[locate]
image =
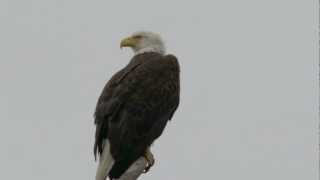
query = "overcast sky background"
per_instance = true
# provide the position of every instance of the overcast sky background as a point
(249, 86)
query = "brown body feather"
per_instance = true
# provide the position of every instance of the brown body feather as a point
(134, 107)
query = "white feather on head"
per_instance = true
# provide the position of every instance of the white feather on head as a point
(145, 41)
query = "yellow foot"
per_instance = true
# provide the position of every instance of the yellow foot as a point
(150, 159)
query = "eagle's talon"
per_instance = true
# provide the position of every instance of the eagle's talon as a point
(148, 167)
(150, 159)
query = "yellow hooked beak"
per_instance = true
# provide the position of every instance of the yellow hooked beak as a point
(128, 42)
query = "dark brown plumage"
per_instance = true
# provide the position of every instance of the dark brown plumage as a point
(134, 107)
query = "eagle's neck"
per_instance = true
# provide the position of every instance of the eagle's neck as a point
(156, 49)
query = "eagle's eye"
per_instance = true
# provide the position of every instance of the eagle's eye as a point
(138, 37)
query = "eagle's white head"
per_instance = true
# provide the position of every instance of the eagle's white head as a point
(144, 41)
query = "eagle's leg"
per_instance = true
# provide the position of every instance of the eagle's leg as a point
(150, 159)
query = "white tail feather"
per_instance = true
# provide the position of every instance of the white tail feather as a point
(106, 162)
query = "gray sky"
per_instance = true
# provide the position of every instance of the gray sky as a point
(249, 93)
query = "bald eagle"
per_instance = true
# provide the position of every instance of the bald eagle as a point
(135, 106)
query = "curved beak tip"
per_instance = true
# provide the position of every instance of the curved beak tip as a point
(127, 42)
